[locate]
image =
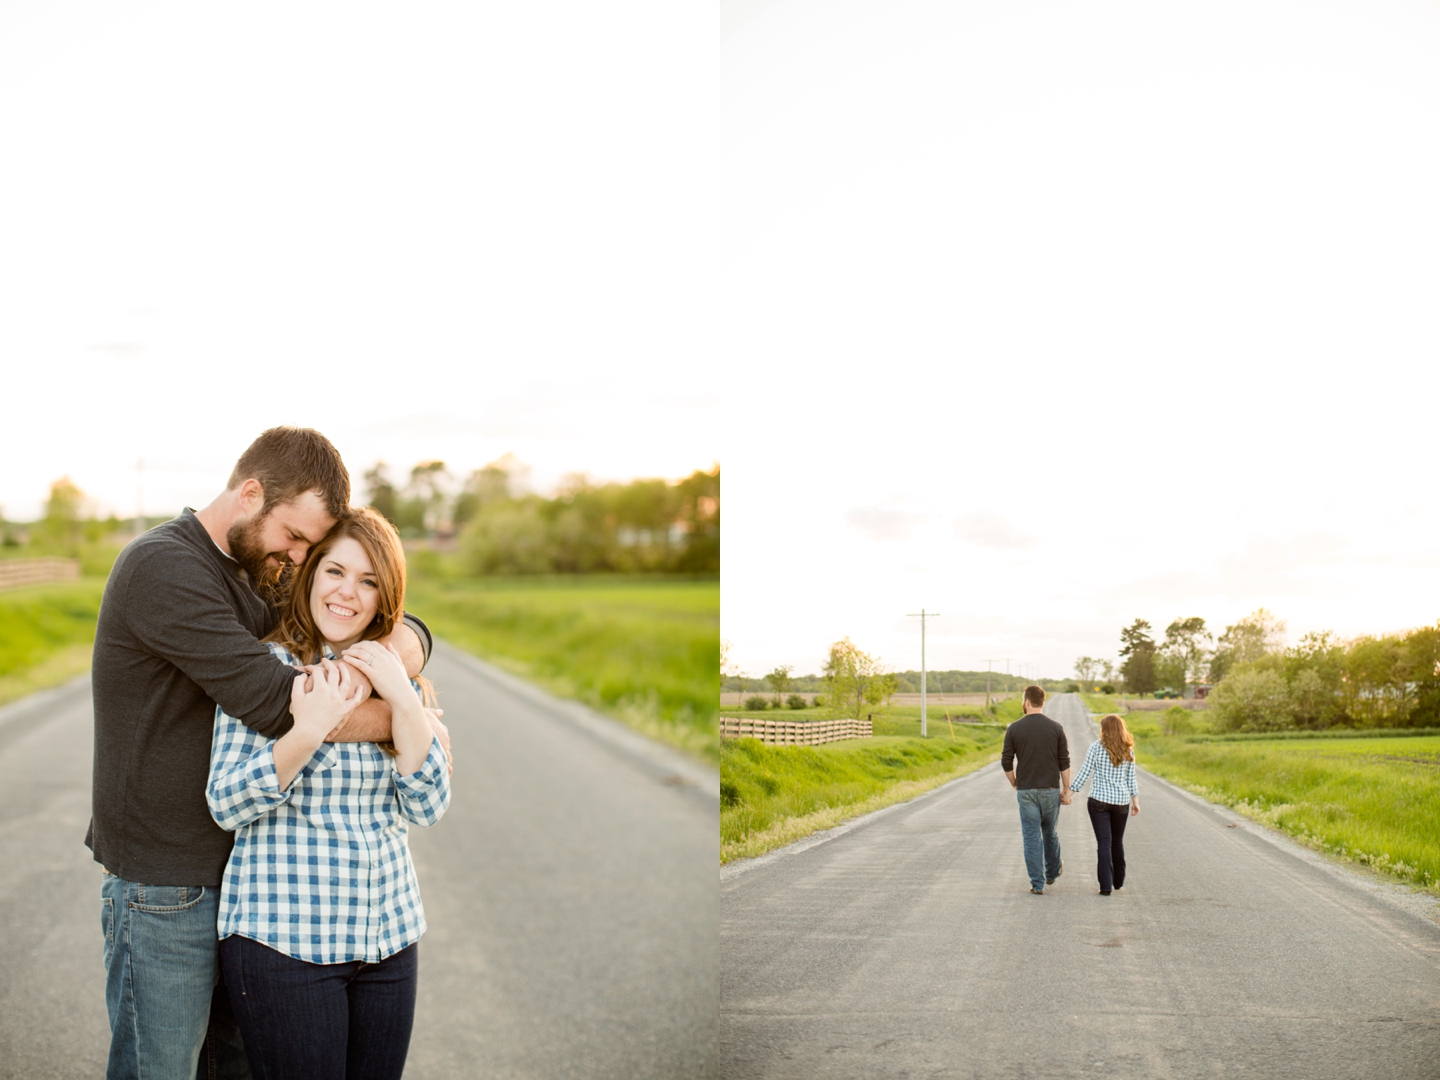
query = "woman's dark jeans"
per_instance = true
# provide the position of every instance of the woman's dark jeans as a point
(1108, 821)
(321, 1021)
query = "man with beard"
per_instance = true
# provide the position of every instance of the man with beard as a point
(180, 625)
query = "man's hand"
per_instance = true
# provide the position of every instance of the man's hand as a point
(358, 679)
(1066, 798)
(1011, 777)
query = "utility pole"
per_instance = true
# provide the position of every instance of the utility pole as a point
(922, 617)
(987, 682)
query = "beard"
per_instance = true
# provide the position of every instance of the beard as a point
(246, 549)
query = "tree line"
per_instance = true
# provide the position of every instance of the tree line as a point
(500, 529)
(648, 525)
(1391, 680)
(853, 683)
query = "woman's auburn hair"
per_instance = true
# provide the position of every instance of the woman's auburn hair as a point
(296, 629)
(1116, 739)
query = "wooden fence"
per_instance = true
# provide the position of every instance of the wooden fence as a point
(795, 732)
(17, 573)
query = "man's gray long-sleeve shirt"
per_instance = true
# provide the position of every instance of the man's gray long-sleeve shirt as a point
(1043, 750)
(178, 633)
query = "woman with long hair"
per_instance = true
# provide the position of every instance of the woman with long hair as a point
(320, 914)
(1113, 797)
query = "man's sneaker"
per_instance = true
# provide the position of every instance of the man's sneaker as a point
(1051, 880)
(1038, 892)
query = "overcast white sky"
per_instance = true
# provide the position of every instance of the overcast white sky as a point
(1052, 315)
(431, 231)
(1041, 315)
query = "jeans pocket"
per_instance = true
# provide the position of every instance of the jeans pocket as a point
(162, 899)
(107, 925)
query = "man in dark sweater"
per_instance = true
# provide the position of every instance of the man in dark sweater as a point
(179, 630)
(1042, 784)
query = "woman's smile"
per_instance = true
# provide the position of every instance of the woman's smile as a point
(344, 596)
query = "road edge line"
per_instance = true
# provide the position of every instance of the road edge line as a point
(611, 732)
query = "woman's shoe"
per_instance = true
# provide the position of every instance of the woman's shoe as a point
(1104, 892)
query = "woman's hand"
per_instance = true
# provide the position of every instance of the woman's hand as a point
(411, 726)
(1134, 807)
(330, 696)
(382, 666)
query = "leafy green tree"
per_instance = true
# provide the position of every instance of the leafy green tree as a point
(1315, 670)
(1252, 700)
(492, 483)
(1312, 703)
(65, 511)
(1423, 662)
(1184, 655)
(381, 491)
(780, 682)
(1257, 635)
(855, 681)
(508, 538)
(426, 503)
(1374, 684)
(699, 515)
(1137, 654)
(1085, 669)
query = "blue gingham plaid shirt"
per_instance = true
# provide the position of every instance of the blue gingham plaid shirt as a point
(1114, 784)
(321, 871)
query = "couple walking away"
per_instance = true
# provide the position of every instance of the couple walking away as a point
(262, 739)
(1042, 785)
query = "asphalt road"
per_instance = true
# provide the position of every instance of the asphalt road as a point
(911, 946)
(570, 893)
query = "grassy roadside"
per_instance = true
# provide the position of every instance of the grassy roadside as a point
(644, 652)
(46, 635)
(1374, 801)
(774, 795)
(1101, 704)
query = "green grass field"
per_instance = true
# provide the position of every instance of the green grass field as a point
(773, 795)
(46, 634)
(1102, 703)
(644, 652)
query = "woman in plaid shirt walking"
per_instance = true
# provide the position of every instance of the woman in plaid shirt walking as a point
(1113, 796)
(320, 915)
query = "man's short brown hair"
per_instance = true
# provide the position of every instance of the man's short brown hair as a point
(1034, 697)
(289, 461)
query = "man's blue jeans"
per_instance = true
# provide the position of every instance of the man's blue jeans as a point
(1039, 816)
(161, 973)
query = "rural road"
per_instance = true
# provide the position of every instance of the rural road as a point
(570, 893)
(910, 946)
